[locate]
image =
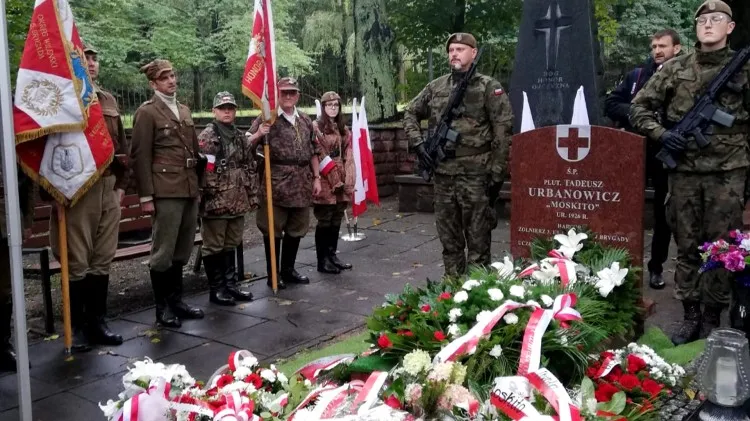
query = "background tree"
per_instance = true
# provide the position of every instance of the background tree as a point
(741, 13)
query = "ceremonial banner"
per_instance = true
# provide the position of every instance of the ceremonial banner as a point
(55, 97)
(259, 79)
(365, 181)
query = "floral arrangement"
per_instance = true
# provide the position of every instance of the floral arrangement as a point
(732, 255)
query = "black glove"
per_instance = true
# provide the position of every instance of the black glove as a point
(424, 157)
(493, 192)
(673, 141)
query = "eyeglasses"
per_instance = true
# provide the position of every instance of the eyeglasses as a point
(334, 105)
(717, 18)
(288, 93)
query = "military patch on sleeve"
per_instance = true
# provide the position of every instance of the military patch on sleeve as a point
(499, 91)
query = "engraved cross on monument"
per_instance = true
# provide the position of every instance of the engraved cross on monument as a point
(572, 143)
(551, 24)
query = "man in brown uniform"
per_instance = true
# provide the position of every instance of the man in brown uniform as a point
(294, 179)
(26, 195)
(230, 190)
(165, 153)
(92, 227)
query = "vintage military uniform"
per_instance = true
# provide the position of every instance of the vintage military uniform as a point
(26, 191)
(292, 147)
(92, 231)
(706, 189)
(165, 164)
(464, 216)
(337, 187)
(230, 190)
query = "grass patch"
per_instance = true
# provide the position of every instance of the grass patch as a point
(682, 355)
(351, 345)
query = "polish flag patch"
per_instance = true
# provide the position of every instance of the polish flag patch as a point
(211, 165)
(326, 165)
(499, 91)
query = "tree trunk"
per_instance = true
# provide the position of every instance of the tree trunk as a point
(459, 19)
(741, 14)
(373, 44)
(197, 90)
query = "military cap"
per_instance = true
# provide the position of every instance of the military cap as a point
(154, 69)
(288, 84)
(461, 38)
(330, 96)
(712, 6)
(88, 49)
(223, 98)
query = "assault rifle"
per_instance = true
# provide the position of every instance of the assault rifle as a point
(444, 134)
(704, 112)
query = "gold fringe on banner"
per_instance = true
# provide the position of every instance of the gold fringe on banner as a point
(30, 135)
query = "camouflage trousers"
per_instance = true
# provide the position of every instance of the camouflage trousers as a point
(464, 220)
(703, 207)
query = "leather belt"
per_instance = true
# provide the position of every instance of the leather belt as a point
(292, 162)
(463, 151)
(187, 163)
(231, 165)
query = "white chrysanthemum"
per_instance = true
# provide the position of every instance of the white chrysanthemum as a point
(483, 316)
(510, 319)
(460, 297)
(416, 362)
(504, 269)
(454, 314)
(547, 300)
(282, 378)
(109, 409)
(454, 330)
(441, 371)
(268, 375)
(496, 351)
(249, 362)
(239, 387)
(471, 283)
(242, 372)
(495, 294)
(533, 303)
(517, 291)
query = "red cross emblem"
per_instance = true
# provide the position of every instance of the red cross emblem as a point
(573, 142)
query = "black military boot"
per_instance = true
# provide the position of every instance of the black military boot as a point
(7, 353)
(230, 278)
(215, 273)
(711, 320)
(323, 250)
(288, 257)
(97, 331)
(267, 243)
(333, 243)
(656, 280)
(180, 308)
(161, 286)
(690, 327)
(78, 314)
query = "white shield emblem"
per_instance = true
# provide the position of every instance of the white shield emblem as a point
(67, 161)
(573, 142)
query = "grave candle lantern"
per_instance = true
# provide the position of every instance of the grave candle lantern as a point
(723, 376)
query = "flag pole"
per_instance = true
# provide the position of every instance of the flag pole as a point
(62, 236)
(269, 209)
(13, 212)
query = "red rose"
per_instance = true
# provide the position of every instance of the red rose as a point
(652, 387)
(384, 342)
(591, 372)
(425, 308)
(607, 354)
(224, 380)
(614, 375)
(629, 381)
(393, 402)
(646, 407)
(635, 363)
(439, 336)
(255, 380)
(444, 296)
(604, 392)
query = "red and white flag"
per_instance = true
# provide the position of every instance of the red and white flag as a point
(365, 181)
(55, 97)
(259, 78)
(326, 165)
(210, 163)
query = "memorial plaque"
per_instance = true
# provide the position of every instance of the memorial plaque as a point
(557, 53)
(569, 176)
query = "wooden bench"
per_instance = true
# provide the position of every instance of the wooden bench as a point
(132, 221)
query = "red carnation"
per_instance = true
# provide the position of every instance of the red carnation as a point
(635, 363)
(425, 308)
(384, 342)
(607, 354)
(605, 391)
(255, 380)
(614, 375)
(439, 336)
(224, 380)
(444, 296)
(393, 402)
(652, 387)
(647, 406)
(629, 381)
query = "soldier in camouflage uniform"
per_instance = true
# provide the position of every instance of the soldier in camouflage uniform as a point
(468, 183)
(294, 180)
(705, 198)
(337, 182)
(230, 190)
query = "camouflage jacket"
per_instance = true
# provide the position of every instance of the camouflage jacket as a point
(338, 185)
(119, 167)
(485, 125)
(292, 148)
(671, 92)
(230, 188)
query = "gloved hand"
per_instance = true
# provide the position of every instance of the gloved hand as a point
(493, 192)
(424, 157)
(673, 141)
